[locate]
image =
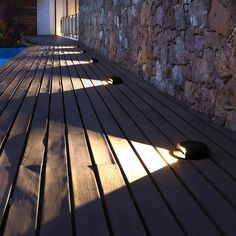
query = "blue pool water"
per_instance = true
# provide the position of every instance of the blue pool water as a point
(7, 53)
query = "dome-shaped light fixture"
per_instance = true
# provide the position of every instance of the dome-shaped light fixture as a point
(115, 80)
(94, 60)
(192, 150)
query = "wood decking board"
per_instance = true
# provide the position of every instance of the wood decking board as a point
(14, 104)
(131, 166)
(13, 82)
(212, 134)
(222, 131)
(222, 158)
(174, 134)
(10, 65)
(13, 70)
(129, 129)
(25, 195)
(88, 210)
(9, 158)
(115, 68)
(124, 218)
(82, 157)
(26, 191)
(213, 209)
(224, 183)
(220, 179)
(56, 215)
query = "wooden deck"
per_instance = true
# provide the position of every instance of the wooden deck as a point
(80, 156)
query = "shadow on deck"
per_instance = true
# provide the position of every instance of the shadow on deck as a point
(81, 156)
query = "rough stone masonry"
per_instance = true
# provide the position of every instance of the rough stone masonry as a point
(187, 48)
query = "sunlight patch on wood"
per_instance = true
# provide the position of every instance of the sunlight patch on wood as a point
(70, 52)
(74, 62)
(167, 156)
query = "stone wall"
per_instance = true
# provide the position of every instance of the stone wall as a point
(187, 48)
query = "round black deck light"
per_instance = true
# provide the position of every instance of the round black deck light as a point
(191, 150)
(83, 51)
(115, 80)
(94, 60)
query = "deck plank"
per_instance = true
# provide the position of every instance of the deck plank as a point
(88, 210)
(144, 114)
(152, 91)
(10, 65)
(11, 154)
(15, 102)
(80, 156)
(170, 112)
(14, 80)
(135, 173)
(56, 215)
(151, 158)
(11, 73)
(25, 196)
(212, 134)
(210, 203)
(123, 217)
(219, 156)
(223, 182)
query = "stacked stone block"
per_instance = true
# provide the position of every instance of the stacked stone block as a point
(186, 48)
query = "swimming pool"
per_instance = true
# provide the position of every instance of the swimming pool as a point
(7, 53)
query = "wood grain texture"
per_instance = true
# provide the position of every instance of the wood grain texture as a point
(80, 156)
(224, 190)
(15, 101)
(9, 86)
(156, 165)
(24, 201)
(88, 210)
(56, 216)
(10, 66)
(135, 173)
(103, 158)
(12, 151)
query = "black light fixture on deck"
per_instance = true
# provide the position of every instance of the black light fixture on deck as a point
(192, 150)
(94, 60)
(115, 80)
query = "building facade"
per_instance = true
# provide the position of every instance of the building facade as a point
(50, 13)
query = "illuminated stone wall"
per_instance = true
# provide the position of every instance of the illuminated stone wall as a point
(186, 48)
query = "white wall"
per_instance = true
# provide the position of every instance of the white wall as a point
(60, 13)
(71, 7)
(45, 17)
